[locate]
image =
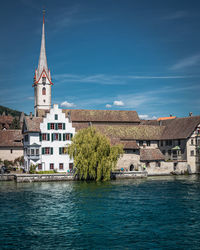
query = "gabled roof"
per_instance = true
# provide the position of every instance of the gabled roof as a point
(151, 155)
(33, 124)
(86, 115)
(11, 138)
(180, 128)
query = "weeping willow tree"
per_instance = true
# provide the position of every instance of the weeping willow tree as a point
(94, 157)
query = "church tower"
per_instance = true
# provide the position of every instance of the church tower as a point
(42, 79)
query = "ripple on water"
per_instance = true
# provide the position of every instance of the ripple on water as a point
(158, 212)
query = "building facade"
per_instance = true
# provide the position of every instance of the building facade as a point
(46, 141)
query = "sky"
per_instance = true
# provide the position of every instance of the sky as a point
(104, 54)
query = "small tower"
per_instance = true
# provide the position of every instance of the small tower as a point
(42, 79)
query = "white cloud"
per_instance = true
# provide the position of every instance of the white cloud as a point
(67, 104)
(187, 62)
(118, 103)
(147, 117)
(108, 106)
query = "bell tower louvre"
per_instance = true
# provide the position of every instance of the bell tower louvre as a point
(42, 78)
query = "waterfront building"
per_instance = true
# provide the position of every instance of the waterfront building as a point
(46, 141)
(11, 146)
(163, 146)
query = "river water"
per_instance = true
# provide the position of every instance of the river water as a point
(152, 213)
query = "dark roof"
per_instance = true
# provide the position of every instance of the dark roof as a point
(151, 154)
(180, 128)
(84, 115)
(11, 138)
(33, 124)
(134, 132)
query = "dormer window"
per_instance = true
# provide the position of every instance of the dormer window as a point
(43, 80)
(44, 91)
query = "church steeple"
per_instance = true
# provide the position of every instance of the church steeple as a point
(42, 79)
(42, 64)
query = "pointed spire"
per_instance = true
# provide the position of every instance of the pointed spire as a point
(42, 64)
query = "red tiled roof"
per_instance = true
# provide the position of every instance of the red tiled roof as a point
(11, 138)
(151, 155)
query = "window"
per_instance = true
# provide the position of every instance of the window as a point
(56, 137)
(161, 143)
(63, 150)
(163, 152)
(166, 143)
(43, 91)
(71, 166)
(47, 151)
(60, 165)
(170, 142)
(60, 126)
(32, 151)
(39, 166)
(43, 80)
(141, 143)
(52, 125)
(169, 152)
(192, 142)
(148, 143)
(56, 117)
(44, 137)
(158, 164)
(179, 142)
(192, 153)
(37, 151)
(67, 137)
(51, 166)
(26, 138)
(11, 151)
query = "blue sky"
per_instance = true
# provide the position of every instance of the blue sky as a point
(115, 54)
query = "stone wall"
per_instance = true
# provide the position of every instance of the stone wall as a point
(43, 177)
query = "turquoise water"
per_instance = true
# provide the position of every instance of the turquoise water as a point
(154, 213)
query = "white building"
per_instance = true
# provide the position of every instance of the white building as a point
(46, 141)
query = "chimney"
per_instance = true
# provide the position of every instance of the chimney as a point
(190, 114)
(31, 115)
(69, 116)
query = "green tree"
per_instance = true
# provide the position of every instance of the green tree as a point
(15, 124)
(94, 157)
(19, 161)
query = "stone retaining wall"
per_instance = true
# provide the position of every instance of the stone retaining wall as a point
(129, 175)
(43, 177)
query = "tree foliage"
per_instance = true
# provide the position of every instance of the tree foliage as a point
(94, 157)
(15, 124)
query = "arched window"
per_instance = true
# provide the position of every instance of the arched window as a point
(44, 91)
